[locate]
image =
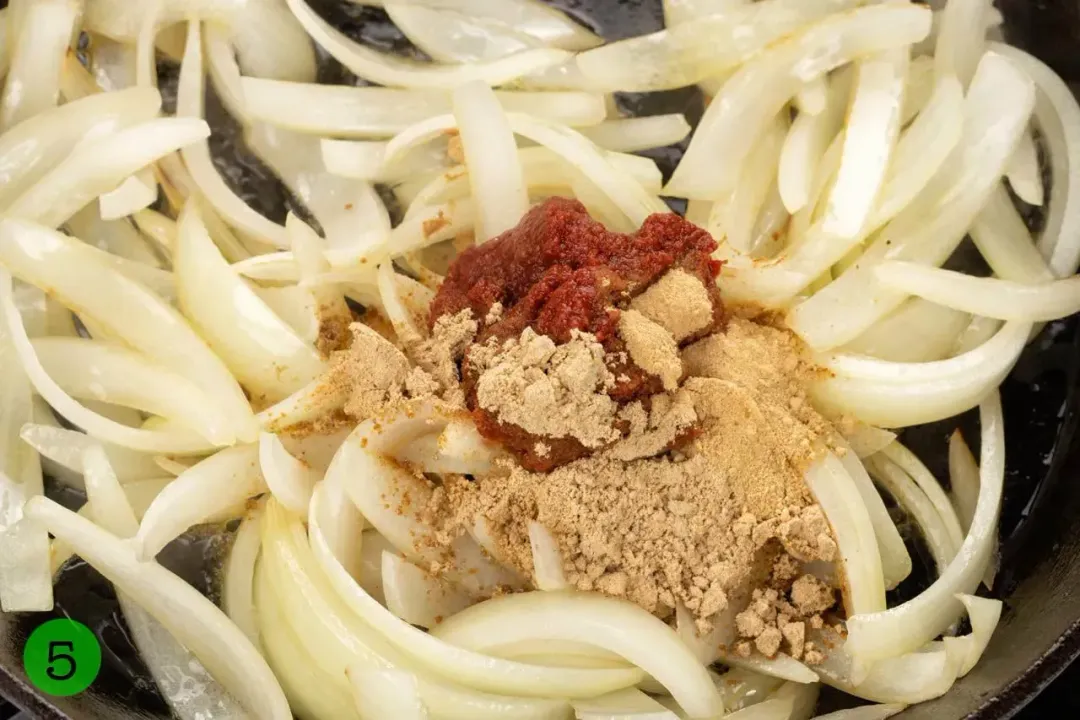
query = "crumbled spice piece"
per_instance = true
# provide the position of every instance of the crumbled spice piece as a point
(651, 347)
(678, 302)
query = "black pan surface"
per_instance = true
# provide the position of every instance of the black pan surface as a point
(1039, 580)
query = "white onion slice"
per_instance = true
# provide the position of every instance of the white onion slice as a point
(984, 615)
(909, 626)
(873, 123)
(417, 597)
(865, 440)
(65, 447)
(988, 297)
(392, 71)
(805, 145)
(98, 164)
(840, 500)
(1023, 173)
(290, 480)
(89, 369)
(865, 712)
(270, 43)
(133, 194)
(639, 133)
(450, 36)
(961, 38)
(42, 32)
(190, 617)
(386, 694)
(620, 705)
(614, 625)
(1059, 119)
(189, 104)
(496, 178)
(33, 147)
(1005, 242)
(916, 332)
(122, 20)
(761, 87)
(265, 354)
(224, 71)
(237, 590)
(996, 111)
(963, 479)
(547, 559)
(120, 237)
(895, 560)
(691, 52)
(926, 481)
(213, 489)
(372, 112)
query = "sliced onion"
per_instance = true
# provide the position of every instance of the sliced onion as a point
(865, 712)
(265, 354)
(639, 133)
(741, 212)
(628, 703)
(873, 123)
(839, 498)
(309, 402)
(213, 489)
(91, 289)
(611, 624)
(963, 479)
(133, 194)
(189, 104)
(122, 20)
(65, 447)
(372, 112)
(224, 70)
(918, 331)
(1005, 242)
(988, 297)
(41, 37)
(895, 560)
(761, 87)
(909, 626)
(386, 694)
(984, 615)
(926, 481)
(36, 145)
(961, 38)
(113, 374)
(417, 597)
(290, 480)
(1024, 174)
(119, 237)
(1059, 119)
(393, 71)
(270, 43)
(917, 505)
(98, 164)
(237, 591)
(688, 53)
(547, 559)
(865, 440)
(805, 145)
(997, 109)
(450, 36)
(190, 617)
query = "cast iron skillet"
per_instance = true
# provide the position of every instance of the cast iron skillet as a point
(1040, 527)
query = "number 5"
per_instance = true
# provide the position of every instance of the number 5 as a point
(55, 657)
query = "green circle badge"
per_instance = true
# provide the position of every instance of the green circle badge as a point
(62, 657)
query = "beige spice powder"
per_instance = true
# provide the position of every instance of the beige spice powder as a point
(678, 302)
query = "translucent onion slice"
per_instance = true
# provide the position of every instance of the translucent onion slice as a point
(238, 584)
(345, 641)
(909, 626)
(92, 289)
(806, 143)
(373, 112)
(36, 145)
(290, 480)
(758, 90)
(896, 339)
(895, 560)
(629, 703)
(191, 618)
(270, 43)
(133, 194)
(688, 53)
(996, 111)
(469, 668)
(1005, 242)
(119, 237)
(262, 351)
(448, 36)
(65, 447)
(984, 615)
(635, 134)
(988, 297)
(386, 694)
(362, 466)
(1024, 174)
(99, 164)
(902, 679)
(840, 500)
(547, 559)
(1059, 119)
(417, 597)
(614, 625)
(913, 466)
(393, 71)
(917, 505)
(189, 104)
(41, 37)
(963, 479)
(122, 20)
(89, 369)
(224, 70)
(873, 123)
(742, 211)
(961, 38)
(213, 489)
